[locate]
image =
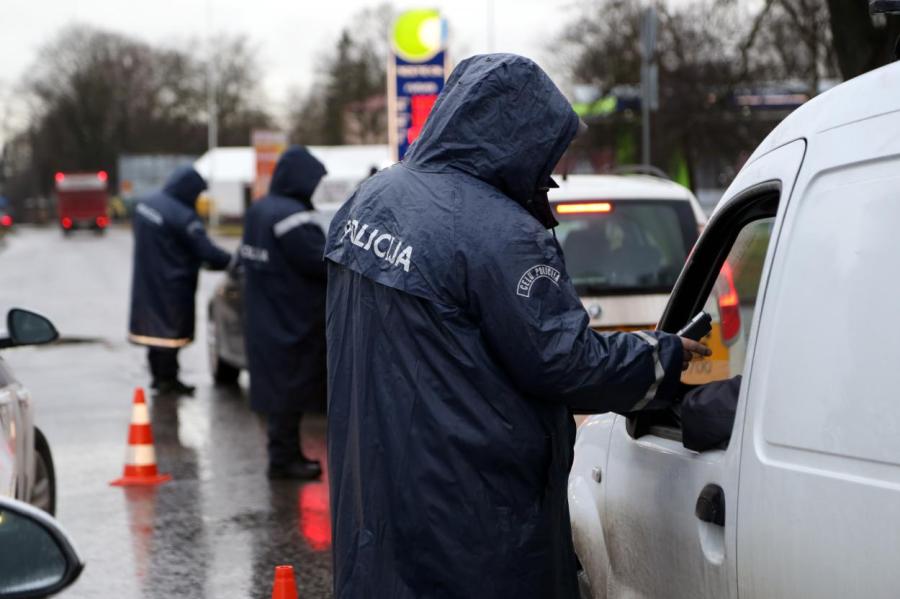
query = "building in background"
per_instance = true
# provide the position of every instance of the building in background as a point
(231, 173)
(142, 174)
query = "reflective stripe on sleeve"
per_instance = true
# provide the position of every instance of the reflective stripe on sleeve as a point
(292, 222)
(659, 371)
(150, 214)
(158, 341)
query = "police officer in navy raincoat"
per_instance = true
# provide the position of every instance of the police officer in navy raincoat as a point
(457, 347)
(284, 308)
(170, 246)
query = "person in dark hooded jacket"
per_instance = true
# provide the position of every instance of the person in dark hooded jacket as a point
(284, 308)
(170, 246)
(457, 346)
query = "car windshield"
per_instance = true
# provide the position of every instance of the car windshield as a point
(624, 247)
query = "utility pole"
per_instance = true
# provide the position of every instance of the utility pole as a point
(212, 109)
(649, 78)
(490, 26)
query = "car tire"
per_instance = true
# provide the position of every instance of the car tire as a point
(223, 372)
(43, 491)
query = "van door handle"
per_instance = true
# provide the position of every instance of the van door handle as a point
(711, 505)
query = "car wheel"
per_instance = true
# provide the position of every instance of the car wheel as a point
(223, 372)
(43, 492)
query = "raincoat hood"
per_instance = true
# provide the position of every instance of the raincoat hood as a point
(501, 119)
(185, 185)
(297, 174)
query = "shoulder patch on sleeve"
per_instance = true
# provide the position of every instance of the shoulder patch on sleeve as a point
(530, 276)
(292, 222)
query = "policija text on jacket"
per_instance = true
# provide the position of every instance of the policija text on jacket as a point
(457, 346)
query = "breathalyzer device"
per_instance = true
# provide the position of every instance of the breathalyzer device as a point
(698, 328)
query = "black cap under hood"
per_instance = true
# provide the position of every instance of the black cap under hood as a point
(501, 119)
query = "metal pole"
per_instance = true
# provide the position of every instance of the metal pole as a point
(645, 117)
(212, 109)
(649, 84)
(490, 26)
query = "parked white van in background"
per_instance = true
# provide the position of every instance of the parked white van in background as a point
(804, 501)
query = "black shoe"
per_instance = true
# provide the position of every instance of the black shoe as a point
(296, 471)
(173, 387)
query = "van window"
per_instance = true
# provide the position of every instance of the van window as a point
(625, 247)
(731, 304)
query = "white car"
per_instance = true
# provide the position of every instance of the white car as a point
(804, 499)
(625, 239)
(26, 464)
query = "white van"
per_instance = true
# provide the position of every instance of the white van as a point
(804, 501)
(625, 239)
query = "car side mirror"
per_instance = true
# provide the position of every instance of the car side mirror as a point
(36, 556)
(27, 328)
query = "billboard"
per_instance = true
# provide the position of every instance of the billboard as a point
(268, 147)
(417, 68)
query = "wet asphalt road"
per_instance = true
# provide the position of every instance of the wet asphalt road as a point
(220, 527)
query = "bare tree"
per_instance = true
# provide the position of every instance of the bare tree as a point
(93, 95)
(346, 102)
(862, 42)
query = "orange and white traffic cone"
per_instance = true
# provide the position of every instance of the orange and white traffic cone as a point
(140, 462)
(285, 586)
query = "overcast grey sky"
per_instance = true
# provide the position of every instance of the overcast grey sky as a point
(289, 35)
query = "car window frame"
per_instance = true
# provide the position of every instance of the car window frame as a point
(696, 282)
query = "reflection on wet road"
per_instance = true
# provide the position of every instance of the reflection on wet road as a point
(220, 527)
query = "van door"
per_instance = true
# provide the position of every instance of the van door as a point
(819, 502)
(668, 520)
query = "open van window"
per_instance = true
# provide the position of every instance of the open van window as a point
(723, 279)
(731, 304)
(629, 247)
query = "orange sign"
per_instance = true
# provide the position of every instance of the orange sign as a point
(268, 146)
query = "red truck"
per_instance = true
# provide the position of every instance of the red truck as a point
(82, 201)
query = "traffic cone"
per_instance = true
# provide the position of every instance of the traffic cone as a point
(285, 586)
(140, 461)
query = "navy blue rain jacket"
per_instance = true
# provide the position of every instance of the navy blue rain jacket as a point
(457, 346)
(170, 246)
(284, 290)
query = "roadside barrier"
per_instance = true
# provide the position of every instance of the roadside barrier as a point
(285, 586)
(140, 460)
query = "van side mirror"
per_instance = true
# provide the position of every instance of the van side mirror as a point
(38, 558)
(27, 328)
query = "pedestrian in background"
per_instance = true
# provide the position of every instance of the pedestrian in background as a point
(457, 347)
(170, 246)
(284, 309)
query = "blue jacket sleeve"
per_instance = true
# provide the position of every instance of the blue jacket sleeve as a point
(537, 328)
(211, 255)
(304, 247)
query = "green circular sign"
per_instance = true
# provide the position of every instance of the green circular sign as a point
(418, 34)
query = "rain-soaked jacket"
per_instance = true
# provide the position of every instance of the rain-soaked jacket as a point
(284, 290)
(457, 346)
(170, 245)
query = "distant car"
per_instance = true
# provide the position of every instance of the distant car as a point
(39, 559)
(6, 221)
(82, 201)
(225, 323)
(26, 463)
(625, 239)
